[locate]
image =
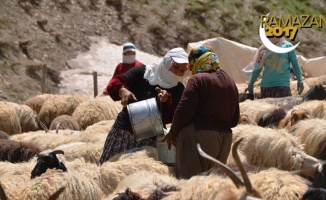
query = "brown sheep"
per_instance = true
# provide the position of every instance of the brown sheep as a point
(15, 152)
(58, 105)
(293, 118)
(64, 122)
(37, 101)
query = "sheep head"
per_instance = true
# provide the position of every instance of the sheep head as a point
(49, 160)
(297, 115)
(317, 92)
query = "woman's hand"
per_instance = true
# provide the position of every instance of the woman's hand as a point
(163, 94)
(125, 96)
(170, 140)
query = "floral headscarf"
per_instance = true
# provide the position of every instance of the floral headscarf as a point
(202, 59)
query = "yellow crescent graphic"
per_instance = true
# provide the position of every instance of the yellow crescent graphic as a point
(269, 45)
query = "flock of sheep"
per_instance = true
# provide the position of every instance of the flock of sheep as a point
(50, 148)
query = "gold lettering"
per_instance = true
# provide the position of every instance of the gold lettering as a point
(296, 21)
(314, 21)
(286, 23)
(306, 18)
(321, 20)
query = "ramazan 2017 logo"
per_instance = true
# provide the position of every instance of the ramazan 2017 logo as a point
(278, 26)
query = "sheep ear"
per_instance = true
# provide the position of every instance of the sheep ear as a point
(58, 152)
(227, 170)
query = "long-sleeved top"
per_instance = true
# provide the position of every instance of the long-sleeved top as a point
(124, 67)
(211, 101)
(134, 81)
(277, 69)
(120, 69)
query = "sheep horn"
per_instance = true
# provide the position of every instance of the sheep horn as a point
(227, 170)
(3, 195)
(244, 175)
(58, 152)
(57, 128)
(41, 123)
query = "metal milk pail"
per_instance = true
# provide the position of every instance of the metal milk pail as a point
(145, 118)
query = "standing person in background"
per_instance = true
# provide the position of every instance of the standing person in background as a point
(128, 61)
(208, 109)
(140, 83)
(277, 71)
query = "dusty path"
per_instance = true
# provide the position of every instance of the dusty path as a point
(102, 58)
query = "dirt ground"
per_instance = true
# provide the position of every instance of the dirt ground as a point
(54, 33)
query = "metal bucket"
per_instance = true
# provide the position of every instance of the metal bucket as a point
(145, 118)
(165, 155)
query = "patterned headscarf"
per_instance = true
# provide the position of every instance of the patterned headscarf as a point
(202, 59)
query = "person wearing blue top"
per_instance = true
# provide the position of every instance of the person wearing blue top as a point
(276, 70)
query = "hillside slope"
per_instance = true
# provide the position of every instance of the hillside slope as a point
(36, 33)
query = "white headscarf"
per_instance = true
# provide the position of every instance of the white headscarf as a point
(159, 74)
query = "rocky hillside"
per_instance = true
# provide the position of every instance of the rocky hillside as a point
(47, 33)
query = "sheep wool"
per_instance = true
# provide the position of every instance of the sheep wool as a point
(275, 184)
(316, 108)
(10, 121)
(76, 186)
(113, 172)
(96, 110)
(262, 147)
(311, 134)
(36, 102)
(57, 105)
(64, 122)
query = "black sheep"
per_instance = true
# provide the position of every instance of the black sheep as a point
(46, 161)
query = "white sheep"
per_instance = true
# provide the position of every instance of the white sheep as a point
(96, 110)
(262, 113)
(316, 108)
(266, 147)
(114, 172)
(312, 133)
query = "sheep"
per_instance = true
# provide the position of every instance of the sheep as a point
(54, 196)
(48, 161)
(147, 185)
(36, 102)
(262, 147)
(295, 116)
(15, 152)
(64, 122)
(246, 119)
(10, 121)
(96, 110)
(91, 152)
(97, 132)
(312, 134)
(49, 140)
(77, 186)
(4, 135)
(316, 108)
(316, 92)
(319, 80)
(57, 105)
(27, 117)
(264, 114)
(113, 172)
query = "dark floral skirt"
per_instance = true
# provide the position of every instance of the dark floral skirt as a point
(119, 140)
(275, 92)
